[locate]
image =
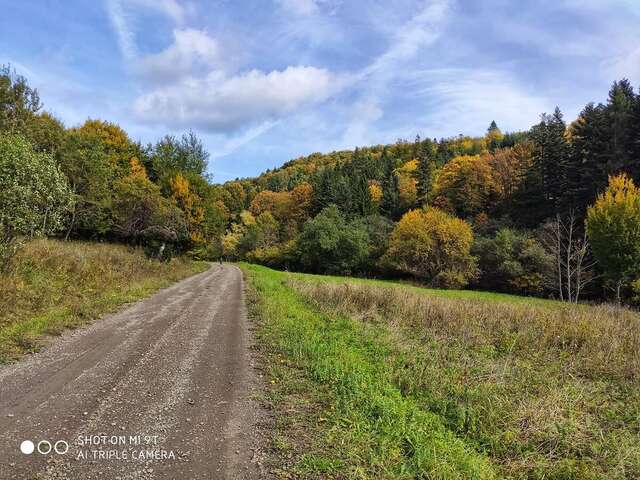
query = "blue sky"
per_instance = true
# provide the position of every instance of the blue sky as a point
(264, 81)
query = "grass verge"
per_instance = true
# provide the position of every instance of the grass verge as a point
(369, 380)
(341, 414)
(58, 285)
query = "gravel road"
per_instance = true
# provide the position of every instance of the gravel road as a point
(164, 389)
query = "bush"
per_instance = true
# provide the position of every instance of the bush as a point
(281, 255)
(434, 246)
(512, 262)
(329, 244)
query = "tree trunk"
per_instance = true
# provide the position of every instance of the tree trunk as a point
(71, 225)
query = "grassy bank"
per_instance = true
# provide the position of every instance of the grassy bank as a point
(376, 381)
(58, 285)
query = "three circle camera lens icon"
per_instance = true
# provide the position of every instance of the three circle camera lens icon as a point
(44, 447)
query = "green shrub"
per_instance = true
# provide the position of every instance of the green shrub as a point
(513, 262)
(330, 244)
(34, 195)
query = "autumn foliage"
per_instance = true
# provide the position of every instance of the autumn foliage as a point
(433, 245)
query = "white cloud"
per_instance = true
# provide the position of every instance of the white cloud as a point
(191, 50)
(170, 8)
(230, 145)
(126, 37)
(221, 103)
(358, 132)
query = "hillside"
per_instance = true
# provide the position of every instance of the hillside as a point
(375, 380)
(530, 213)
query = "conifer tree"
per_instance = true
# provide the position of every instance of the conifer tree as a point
(424, 172)
(619, 111)
(390, 187)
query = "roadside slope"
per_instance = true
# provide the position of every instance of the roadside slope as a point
(55, 285)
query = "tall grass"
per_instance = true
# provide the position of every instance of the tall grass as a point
(544, 392)
(56, 285)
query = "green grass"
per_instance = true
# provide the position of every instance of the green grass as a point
(372, 380)
(369, 428)
(58, 285)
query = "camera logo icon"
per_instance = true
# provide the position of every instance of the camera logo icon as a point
(44, 447)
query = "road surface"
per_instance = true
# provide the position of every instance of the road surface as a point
(164, 389)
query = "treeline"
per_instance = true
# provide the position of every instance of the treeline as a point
(502, 212)
(506, 211)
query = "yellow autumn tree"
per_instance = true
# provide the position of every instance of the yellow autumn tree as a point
(116, 143)
(434, 246)
(191, 204)
(375, 192)
(407, 184)
(613, 226)
(467, 183)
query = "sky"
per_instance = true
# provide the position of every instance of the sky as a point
(265, 81)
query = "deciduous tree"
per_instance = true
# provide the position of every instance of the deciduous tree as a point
(34, 195)
(434, 246)
(613, 225)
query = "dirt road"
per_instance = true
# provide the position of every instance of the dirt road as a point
(160, 390)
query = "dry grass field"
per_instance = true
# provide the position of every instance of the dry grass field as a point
(492, 388)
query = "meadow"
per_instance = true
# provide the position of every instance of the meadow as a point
(57, 285)
(369, 379)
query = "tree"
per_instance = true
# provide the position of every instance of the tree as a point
(114, 142)
(45, 133)
(613, 225)
(329, 244)
(550, 158)
(375, 192)
(509, 169)
(493, 137)
(571, 252)
(389, 205)
(143, 216)
(512, 261)
(34, 195)
(378, 228)
(172, 155)
(234, 197)
(619, 111)
(18, 101)
(587, 168)
(424, 172)
(434, 246)
(91, 175)
(467, 183)
(191, 205)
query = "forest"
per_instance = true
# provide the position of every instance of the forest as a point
(553, 211)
